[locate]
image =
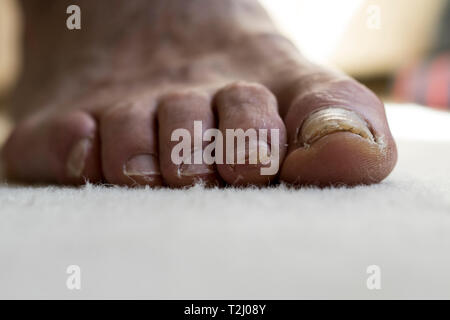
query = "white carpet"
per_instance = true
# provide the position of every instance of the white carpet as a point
(270, 243)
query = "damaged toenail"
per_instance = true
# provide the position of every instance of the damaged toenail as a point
(257, 152)
(191, 170)
(77, 157)
(264, 153)
(143, 165)
(331, 120)
(187, 169)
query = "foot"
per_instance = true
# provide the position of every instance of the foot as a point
(101, 103)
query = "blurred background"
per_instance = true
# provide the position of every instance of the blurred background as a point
(399, 48)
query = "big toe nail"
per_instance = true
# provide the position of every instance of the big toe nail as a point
(331, 120)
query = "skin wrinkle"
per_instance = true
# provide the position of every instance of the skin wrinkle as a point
(141, 52)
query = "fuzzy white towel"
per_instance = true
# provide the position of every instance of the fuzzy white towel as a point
(269, 243)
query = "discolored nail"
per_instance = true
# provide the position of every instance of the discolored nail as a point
(264, 153)
(330, 120)
(192, 169)
(142, 165)
(76, 160)
(257, 152)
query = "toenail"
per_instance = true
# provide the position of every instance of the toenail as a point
(142, 165)
(77, 157)
(191, 170)
(257, 152)
(187, 169)
(331, 120)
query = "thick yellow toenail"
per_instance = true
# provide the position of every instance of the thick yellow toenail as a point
(77, 157)
(143, 165)
(330, 120)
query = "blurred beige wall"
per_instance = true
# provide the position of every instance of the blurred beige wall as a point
(341, 32)
(9, 56)
(405, 32)
(9, 44)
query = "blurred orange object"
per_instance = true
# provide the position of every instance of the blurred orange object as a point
(426, 82)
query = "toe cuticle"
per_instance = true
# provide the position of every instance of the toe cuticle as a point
(188, 168)
(331, 120)
(142, 165)
(76, 160)
(192, 170)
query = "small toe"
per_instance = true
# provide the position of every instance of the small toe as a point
(184, 117)
(254, 134)
(54, 148)
(129, 143)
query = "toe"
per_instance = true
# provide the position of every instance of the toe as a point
(54, 148)
(254, 134)
(129, 143)
(338, 134)
(184, 117)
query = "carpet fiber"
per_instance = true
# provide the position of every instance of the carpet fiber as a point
(269, 243)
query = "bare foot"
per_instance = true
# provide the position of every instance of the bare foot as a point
(101, 103)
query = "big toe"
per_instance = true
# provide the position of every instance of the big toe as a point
(338, 134)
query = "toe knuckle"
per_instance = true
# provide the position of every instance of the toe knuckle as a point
(246, 94)
(246, 90)
(73, 122)
(182, 99)
(120, 112)
(243, 87)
